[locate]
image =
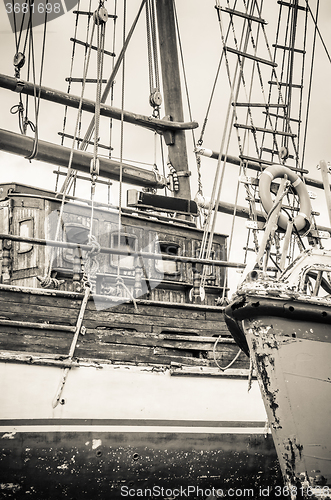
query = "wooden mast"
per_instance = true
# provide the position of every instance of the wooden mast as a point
(172, 92)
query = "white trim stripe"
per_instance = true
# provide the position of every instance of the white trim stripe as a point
(268, 173)
(296, 182)
(12, 430)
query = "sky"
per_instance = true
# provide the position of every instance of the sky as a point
(200, 36)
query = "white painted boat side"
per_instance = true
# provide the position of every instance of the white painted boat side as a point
(130, 393)
(296, 387)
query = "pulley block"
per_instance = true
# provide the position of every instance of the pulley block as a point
(19, 60)
(101, 15)
(155, 99)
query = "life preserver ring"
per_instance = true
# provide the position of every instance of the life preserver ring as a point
(303, 220)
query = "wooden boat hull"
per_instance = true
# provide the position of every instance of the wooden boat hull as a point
(289, 342)
(133, 427)
(143, 403)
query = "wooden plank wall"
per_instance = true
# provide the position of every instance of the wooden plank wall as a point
(152, 334)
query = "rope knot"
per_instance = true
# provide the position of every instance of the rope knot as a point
(48, 282)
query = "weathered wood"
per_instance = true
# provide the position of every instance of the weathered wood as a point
(108, 317)
(156, 340)
(54, 154)
(210, 371)
(108, 345)
(73, 101)
(172, 90)
(139, 354)
(153, 318)
(152, 355)
(36, 312)
(42, 297)
(41, 326)
(39, 321)
(224, 353)
(130, 350)
(200, 338)
(34, 343)
(33, 359)
(217, 329)
(73, 345)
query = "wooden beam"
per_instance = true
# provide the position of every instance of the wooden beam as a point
(49, 94)
(255, 165)
(243, 212)
(54, 154)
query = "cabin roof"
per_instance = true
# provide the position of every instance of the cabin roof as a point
(8, 189)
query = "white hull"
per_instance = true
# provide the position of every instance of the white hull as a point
(294, 376)
(129, 425)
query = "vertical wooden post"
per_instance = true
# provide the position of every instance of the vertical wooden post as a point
(77, 269)
(6, 261)
(196, 297)
(172, 92)
(137, 277)
(326, 184)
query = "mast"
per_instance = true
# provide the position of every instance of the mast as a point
(176, 141)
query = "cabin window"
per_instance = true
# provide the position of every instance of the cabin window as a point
(168, 267)
(26, 229)
(316, 282)
(128, 243)
(75, 233)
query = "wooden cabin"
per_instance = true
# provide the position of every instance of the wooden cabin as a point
(154, 317)
(33, 213)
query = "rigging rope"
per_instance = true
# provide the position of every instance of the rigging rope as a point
(223, 368)
(70, 171)
(317, 29)
(119, 282)
(19, 61)
(253, 39)
(219, 176)
(91, 265)
(71, 71)
(37, 100)
(310, 79)
(112, 86)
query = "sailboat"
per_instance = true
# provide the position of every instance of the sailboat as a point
(119, 375)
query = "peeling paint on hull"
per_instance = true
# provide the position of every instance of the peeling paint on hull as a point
(295, 379)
